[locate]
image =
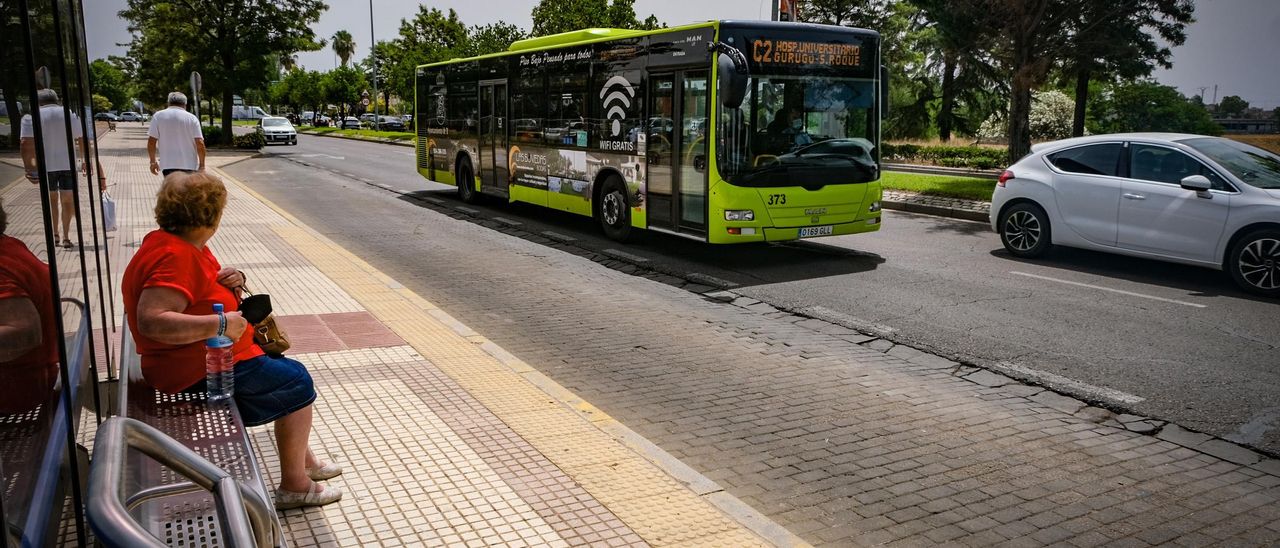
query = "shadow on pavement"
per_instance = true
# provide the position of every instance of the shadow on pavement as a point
(1195, 281)
(742, 265)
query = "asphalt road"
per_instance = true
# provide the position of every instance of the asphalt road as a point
(1167, 341)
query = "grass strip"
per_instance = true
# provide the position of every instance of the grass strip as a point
(969, 188)
(366, 133)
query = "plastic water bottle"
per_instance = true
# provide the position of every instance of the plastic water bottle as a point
(219, 364)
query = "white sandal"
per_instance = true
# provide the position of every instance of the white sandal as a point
(328, 471)
(286, 500)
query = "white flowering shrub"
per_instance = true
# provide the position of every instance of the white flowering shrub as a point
(1050, 118)
(1051, 115)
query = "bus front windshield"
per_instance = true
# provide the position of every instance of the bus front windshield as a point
(800, 131)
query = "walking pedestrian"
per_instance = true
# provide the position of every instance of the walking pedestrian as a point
(59, 161)
(175, 135)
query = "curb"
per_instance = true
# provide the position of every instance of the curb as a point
(365, 139)
(939, 211)
(702, 486)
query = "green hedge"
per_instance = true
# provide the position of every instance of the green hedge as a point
(253, 140)
(212, 134)
(972, 157)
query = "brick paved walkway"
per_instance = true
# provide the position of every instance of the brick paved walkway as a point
(446, 438)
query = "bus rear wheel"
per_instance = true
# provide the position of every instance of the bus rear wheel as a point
(467, 184)
(614, 210)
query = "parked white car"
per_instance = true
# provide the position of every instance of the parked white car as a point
(1191, 199)
(277, 129)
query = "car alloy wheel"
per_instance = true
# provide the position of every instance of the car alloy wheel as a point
(1259, 264)
(1022, 230)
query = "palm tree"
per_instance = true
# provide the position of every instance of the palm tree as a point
(344, 46)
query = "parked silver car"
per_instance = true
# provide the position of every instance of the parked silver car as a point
(277, 129)
(1191, 199)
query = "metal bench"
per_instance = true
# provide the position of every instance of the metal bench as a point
(34, 467)
(198, 484)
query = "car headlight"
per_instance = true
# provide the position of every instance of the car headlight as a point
(875, 206)
(739, 215)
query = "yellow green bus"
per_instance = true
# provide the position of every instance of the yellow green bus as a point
(724, 131)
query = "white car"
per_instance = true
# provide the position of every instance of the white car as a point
(130, 117)
(1191, 199)
(277, 129)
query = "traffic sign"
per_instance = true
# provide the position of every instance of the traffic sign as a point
(365, 101)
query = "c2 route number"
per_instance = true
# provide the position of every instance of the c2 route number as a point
(777, 199)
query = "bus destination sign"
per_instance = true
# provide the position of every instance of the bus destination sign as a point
(796, 52)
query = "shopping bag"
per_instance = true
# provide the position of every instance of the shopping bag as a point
(109, 213)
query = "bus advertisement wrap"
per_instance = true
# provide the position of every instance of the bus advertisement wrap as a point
(628, 127)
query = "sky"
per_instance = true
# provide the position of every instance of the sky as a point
(1233, 43)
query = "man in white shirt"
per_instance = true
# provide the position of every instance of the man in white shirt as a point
(175, 134)
(59, 161)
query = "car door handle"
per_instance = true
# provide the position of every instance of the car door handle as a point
(1128, 196)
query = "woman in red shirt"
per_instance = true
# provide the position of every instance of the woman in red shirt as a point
(28, 332)
(170, 287)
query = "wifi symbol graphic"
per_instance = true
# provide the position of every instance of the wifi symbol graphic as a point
(617, 94)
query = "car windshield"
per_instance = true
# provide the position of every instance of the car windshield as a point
(1250, 164)
(794, 130)
(269, 122)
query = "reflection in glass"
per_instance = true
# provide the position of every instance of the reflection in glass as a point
(29, 378)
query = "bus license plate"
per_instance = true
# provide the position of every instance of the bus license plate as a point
(811, 231)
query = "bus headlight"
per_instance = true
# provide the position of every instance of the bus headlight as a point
(739, 215)
(875, 206)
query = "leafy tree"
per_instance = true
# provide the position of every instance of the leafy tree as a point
(100, 103)
(429, 36)
(1276, 114)
(492, 38)
(1121, 40)
(1149, 106)
(556, 16)
(342, 87)
(1232, 106)
(108, 80)
(306, 89)
(1031, 35)
(344, 46)
(231, 42)
(968, 79)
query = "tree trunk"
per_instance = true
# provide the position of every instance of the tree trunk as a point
(227, 135)
(15, 118)
(946, 111)
(1082, 100)
(1020, 99)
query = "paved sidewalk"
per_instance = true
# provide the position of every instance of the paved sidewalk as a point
(446, 438)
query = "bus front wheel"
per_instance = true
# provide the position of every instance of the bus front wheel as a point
(467, 184)
(614, 212)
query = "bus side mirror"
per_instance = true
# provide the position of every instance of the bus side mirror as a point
(732, 75)
(884, 91)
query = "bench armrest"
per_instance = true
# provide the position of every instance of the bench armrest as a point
(243, 514)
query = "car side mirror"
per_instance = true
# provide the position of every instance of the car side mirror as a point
(1197, 183)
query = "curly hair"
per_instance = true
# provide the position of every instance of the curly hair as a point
(188, 201)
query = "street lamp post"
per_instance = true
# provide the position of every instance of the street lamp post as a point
(373, 63)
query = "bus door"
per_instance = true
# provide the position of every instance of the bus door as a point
(493, 137)
(676, 181)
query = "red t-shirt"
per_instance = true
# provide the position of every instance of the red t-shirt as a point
(165, 260)
(27, 381)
